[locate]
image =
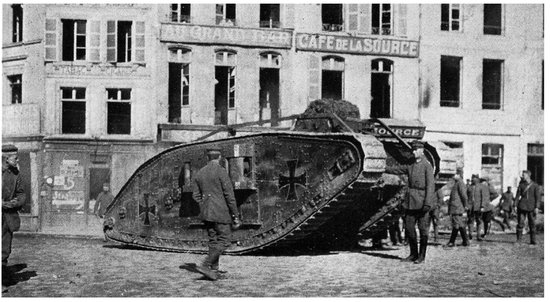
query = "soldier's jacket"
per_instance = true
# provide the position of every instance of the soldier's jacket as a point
(506, 201)
(213, 190)
(458, 200)
(480, 198)
(12, 190)
(528, 196)
(420, 181)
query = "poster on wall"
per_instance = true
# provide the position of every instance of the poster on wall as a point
(69, 186)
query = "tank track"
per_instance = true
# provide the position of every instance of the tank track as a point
(383, 218)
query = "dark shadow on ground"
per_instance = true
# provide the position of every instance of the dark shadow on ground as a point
(192, 267)
(380, 255)
(13, 275)
(132, 247)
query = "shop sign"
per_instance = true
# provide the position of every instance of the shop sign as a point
(204, 34)
(357, 45)
(404, 132)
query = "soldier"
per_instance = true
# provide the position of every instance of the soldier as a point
(528, 199)
(103, 200)
(13, 198)
(478, 194)
(419, 201)
(487, 208)
(213, 190)
(435, 213)
(457, 204)
(506, 206)
(470, 207)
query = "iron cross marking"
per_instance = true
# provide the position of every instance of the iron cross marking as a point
(292, 180)
(146, 209)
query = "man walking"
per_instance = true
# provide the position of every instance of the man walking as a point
(13, 198)
(213, 190)
(528, 201)
(506, 206)
(435, 213)
(457, 203)
(418, 202)
(477, 195)
(487, 209)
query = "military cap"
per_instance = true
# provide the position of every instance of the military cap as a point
(9, 149)
(416, 144)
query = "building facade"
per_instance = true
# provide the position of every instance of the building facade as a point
(92, 91)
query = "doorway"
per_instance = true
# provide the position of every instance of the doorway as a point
(269, 94)
(381, 90)
(225, 93)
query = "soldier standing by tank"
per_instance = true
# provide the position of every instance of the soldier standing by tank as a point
(528, 200)
(213, 190)
(13, 198)
(458, 200)
(419, 201)
(506, 206)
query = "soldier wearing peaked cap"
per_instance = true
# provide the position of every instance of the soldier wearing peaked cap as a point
(213, 190)
(13, 198)
(418, 202)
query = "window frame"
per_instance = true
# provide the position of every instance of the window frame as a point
(333, 27)
(17, 23)
(270, 23)
(75, 47)
(458, 101)
(332, 61)
(118, 100)
(449, 22)
(488, 105)
(378, 31)
(221, 18)
(73, 99)
(178, 12)
(490, 147)
(15, 81)
(486, 27)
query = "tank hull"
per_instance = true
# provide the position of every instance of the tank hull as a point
(289, 189)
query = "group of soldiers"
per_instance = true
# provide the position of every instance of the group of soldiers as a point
(467, 204)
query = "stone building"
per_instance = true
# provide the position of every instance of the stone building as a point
(91, 91)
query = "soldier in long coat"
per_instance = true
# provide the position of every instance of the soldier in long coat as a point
(458, 201)
(13, 198)
(213, 190)
(479, 195)
(506, 206)
(418, 202)
(528, 200)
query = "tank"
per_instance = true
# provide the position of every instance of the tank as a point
(320, 185)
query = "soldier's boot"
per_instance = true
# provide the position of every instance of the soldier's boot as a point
(465, 241)
(533, 237)
(422, 253)
(470, 231)
(478, 232)
(436, 234)
(454, 233)
(519, 234)
(413, 246)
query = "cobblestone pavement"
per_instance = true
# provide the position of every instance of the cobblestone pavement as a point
(70, 267)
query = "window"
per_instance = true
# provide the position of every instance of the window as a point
(269, 15)
(491, 154)
(492, 19)
(270, 63)
(225, 14)
(332, 78)
(74, 40)
(122, 45)
(332, 18)
(178, 83)
(535, 162)
(118, 111)
(450, 17)
(382, 19)
(17, 23)
(492, 84)
(450, 81)
(15, 88)
(181, 13)
(381, 88)
(73, 110)
(225, 86)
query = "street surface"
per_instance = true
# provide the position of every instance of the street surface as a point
(48, 266)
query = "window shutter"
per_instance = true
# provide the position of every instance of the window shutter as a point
(364, 18)
(314, 78)
(111, 41)
(402, 20)
(353, 17)
(50, 44)
(94, 41)
(139, 46)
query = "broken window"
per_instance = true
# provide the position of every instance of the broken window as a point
(491, 154)
(17, 23)
(492, 19)
(118, 111)
(15, 82)
(382, 19)
(225, 14)
(225, 86)
(74, 40)
(181, 13)
(270, 63)
(332, 78)
(73, 110)
(492, 84)
(450, 17)
(332, 17)
(450, 81)
(269, 15)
